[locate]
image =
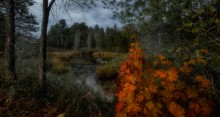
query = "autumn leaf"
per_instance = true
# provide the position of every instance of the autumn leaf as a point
(150, 105)
(166, 62)
(129, 87)
(191, 93)
(172, 74)
(153, 88)
(130, 78)
(140, 98)
(119, 107)
(147, 94)
(176, 109)
(161, 57)
(204, 82)
(121, 95)
(146, 111)
(186, 68)
(201, 60)
(204, 51)
(195, 107)
(170, 86)
(134, 108)
(160, 73)
(121, 115)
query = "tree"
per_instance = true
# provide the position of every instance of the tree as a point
(43, 38)
(10, 40)
(160, 20)
(25, 22)
(2, 32)
(57, 34)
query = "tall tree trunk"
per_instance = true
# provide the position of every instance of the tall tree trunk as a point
(10, 41)
(42, 56)
(43, 43)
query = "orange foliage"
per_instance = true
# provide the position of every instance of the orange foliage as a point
(143, 90)
(176, 110)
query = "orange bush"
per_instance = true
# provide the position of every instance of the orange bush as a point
(161, 89)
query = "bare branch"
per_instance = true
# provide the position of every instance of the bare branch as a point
(50, 5)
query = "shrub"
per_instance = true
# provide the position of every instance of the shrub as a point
(58, 66)
(161, 89)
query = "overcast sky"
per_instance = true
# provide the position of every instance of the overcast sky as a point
(96, 15)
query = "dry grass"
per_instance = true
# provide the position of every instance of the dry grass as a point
(58, 66)
(109, 71)
(59, 60)
(106, 72)
(105, 54)
(64, 55)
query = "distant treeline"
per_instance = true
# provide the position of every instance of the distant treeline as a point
(79, 35)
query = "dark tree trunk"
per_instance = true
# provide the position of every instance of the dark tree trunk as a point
(43, 41)
(10, 40)
(42, 57)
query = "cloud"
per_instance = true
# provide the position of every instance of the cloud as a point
(95, 15)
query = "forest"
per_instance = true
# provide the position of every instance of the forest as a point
(162, 60)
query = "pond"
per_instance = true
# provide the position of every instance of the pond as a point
(82, 72)
(84, 69)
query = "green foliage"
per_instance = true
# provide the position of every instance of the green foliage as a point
(115, 40)
(174, 21)
(56, 35)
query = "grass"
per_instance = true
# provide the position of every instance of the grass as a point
(59, 60)
(109, 71)
(58, 66)
(105, 54)
(105, 72)
(77, 100)
(64, 55)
